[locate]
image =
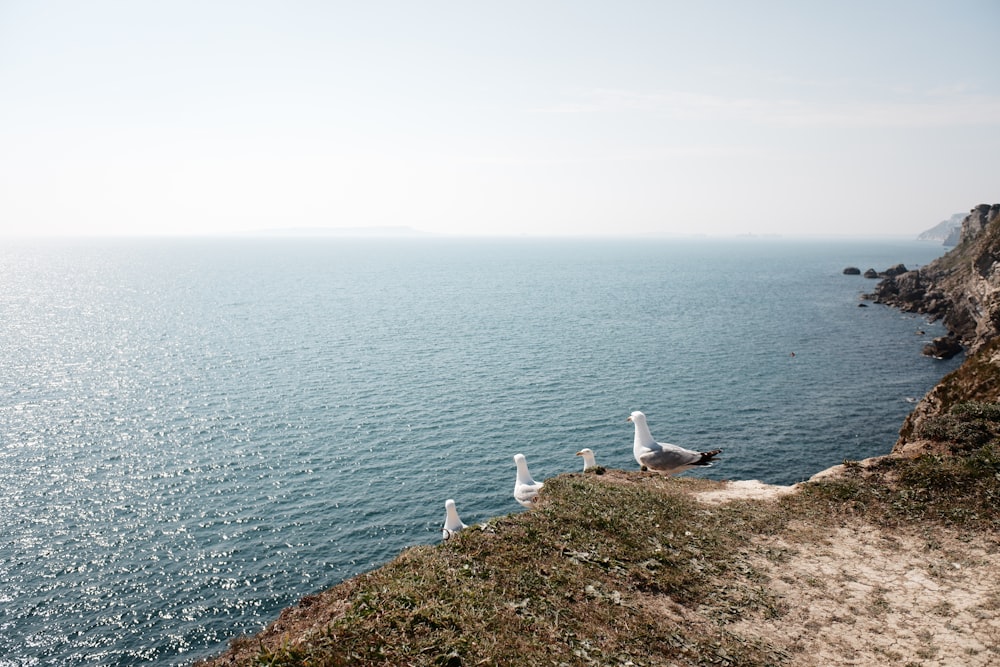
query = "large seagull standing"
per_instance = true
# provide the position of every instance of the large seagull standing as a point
(663, 457)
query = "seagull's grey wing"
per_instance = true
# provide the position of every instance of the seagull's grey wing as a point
(669, 457)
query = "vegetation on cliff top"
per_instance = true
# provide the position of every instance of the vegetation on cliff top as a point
(626, 568)
(977, 379)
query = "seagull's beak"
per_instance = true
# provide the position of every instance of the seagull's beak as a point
(579, 453)
(629, 418)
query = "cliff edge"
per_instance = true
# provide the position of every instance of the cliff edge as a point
(892, 560)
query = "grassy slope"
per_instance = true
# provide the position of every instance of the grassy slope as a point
(623, 568)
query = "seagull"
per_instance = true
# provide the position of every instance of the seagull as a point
(588, 458)
(525, 489)
(452, 524)
(661, 457)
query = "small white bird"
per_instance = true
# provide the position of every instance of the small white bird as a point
(663, 457)
(452, 524)
(525, 488)
(588, 458)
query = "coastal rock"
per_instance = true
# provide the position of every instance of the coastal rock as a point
(943, 347)
(890, 273)
(894, 271)
(852, 271)
(961, 287)
(905, 291)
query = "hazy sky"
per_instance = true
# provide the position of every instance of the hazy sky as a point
(508, 117)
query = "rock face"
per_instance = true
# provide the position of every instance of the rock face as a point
(852, 271)
(961, 288)
(943, 347)
(978, 219)
(953, 238)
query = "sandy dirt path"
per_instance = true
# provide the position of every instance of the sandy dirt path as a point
(862, 595)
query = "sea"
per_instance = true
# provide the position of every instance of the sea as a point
(197, 432)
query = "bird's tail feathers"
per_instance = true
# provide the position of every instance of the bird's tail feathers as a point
(707, 457)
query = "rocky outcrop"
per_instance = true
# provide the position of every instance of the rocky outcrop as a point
(978, 219)
(894, 271)
(872, 274)
(962, 289)
(943, 347)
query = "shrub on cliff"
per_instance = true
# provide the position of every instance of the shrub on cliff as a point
(965, 427)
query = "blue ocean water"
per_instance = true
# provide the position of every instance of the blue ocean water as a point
(196, 433)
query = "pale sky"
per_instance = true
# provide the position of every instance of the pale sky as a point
(497, 118)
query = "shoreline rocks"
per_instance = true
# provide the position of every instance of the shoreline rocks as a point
(943, 347)
(962, 287)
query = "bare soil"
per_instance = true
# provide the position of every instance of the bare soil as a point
(862, 595)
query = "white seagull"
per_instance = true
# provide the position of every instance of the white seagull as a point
(452, 524)
(662, 457)
(588, 458)
(525, 489)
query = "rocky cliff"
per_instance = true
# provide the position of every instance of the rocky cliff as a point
(962, 288)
